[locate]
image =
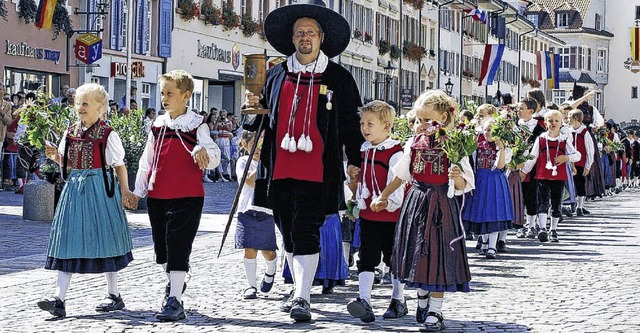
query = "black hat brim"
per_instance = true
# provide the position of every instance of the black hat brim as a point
(278, 28)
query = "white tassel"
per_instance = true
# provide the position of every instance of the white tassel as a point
(285, 142)
(151, 181)
(302, 143)
(362, 205)
(365, 192)
(292, 145)
(309, 146)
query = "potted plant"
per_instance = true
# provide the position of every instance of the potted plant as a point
(249, 27)
(210, 13)
(61, 21)
(229, 18)
(188, 9)
(383, 47)
(357, 34)
(28, 10)
(368, 38)
(395, 52)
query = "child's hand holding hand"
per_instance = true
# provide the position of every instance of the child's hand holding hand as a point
(201, 158)
(379, 204)
(129, 200)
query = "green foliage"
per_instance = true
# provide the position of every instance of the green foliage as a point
(395, 52)
(401, 129)
(28, 10)
(520, 148)
(131, 131)
(230, 19)
(471, 106)
(61, 21)
(458, 142)
(45, 121)
(249, 27)
(210, 12)
(383, 47)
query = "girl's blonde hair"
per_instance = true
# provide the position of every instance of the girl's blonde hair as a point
(94, 91)
(382, 110)
(551, 113)
(440, 102)
(489, 108)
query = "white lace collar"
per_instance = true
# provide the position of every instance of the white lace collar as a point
(317, 66)
(579, 129)
(386, 144)
(561, 137)
(531, 123)
(185, 122)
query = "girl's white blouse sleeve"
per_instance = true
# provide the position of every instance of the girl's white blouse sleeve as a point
(468, 175)
(402, 169)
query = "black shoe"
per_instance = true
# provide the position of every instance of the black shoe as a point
(55, 306)
(287, 304)
(250, 293)
(585, 212)
(361, 309)
(468, 237)
(543, 236)
(167, 290)
(566, 211)
(377, 276)
(327, 290)
(351, 260)
(396, 309)
(501, 246)
(521, 233)
(172, 310)
(491, 253)
(479, 243)
(435, 327)
(265, 287)
(386, 278)
(111, 303)
(579, 212)
(554, 236)
(531, 233)
(421, 313)
(300, 310)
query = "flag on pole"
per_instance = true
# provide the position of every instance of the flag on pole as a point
(635, 43)
(477, 14)
(45, 13)
(490, 63)
(554, 80)
(544, 66)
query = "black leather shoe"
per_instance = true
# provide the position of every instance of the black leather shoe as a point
(421, 313)
(361, 309)
(111, 303)
(286, 305)
(167, 290)
(327, 290)
(438, 326)
(300, 310)
(396, 309)
(579, 212)
(501, 246)
(585, 212)
(172, 310)
(54, 306)
(265, 287)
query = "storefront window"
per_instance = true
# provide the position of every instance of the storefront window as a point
(17, 80)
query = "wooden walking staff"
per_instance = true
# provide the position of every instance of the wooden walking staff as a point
(255, 76)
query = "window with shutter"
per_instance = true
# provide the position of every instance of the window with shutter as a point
(588, 59)
(572, 57)
(165, 23)
(116, 24)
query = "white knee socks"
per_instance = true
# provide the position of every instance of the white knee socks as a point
(502, 235)
(579, 202)
(422, 303)
(434, 306)
(493, 240)
(554, 222)
(250, 271)
(365, 283)
(346, 248)
(112, 283)
(531, 221)
(542, 221)
(304, 267)
(177, 282)
(270, 269)
(398, 290)
(62, 286)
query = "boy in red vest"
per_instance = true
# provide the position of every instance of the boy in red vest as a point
(584, 145)
(178, 150)
(550, 151)
(377, 229)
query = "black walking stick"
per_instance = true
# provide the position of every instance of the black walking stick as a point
(236, 198)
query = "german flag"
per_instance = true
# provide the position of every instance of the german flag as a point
(635, 43)
(45, 13)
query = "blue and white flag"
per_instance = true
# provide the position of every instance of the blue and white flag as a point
(490, 63)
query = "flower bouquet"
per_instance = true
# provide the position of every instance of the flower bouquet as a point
(44, 121)
(458, 143)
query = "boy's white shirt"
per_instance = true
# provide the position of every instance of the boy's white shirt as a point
(394, 201)
(402, 170)
(184, 123)
(574, 155)
(588, 143)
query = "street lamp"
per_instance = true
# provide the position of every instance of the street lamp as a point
(448, 87)
(388, 71)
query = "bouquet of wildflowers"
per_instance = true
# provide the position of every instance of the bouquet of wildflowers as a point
(458, 143)
(401, 129)
(520, 148)
(44, 121)
(503, 128)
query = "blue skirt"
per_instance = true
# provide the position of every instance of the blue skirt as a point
(608, 174)
(256, 230)
(332, 268)
(569, 193)
(356, 236)
(89, 233)
(490, 208)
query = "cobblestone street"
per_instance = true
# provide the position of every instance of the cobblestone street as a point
(585, 283)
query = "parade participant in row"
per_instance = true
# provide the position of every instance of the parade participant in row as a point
(541, 109)
(529, 184)
(89, 233)
(550, 151)
(256, 228)
(434, 259)
(635, 159)
(380, 154)
(314, 104)
(491, 190)
(584, 144)
(177, 152)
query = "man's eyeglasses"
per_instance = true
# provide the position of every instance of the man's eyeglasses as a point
(310, 33)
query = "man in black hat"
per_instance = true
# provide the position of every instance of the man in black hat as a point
(312, 124)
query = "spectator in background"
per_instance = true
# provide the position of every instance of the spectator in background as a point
(149, 117)
(212, 121)
(224, 128)
(124, 111)
(71, 97)
(123, 102)
(133, 105)
(63, 94)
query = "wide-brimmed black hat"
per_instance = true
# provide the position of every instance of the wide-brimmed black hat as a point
(278, 27)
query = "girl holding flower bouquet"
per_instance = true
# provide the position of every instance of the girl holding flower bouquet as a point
(490, 209)
(429, 250)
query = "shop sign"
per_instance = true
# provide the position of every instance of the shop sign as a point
(88, 48)
(23, 49)
(213, 52)
(406, 98)
(120, 69)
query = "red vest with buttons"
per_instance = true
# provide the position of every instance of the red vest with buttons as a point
(556, 148)
(486, 154)
(85, 147)
(177, 175)
(578, 141)
(429, 163)
(378, 165)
